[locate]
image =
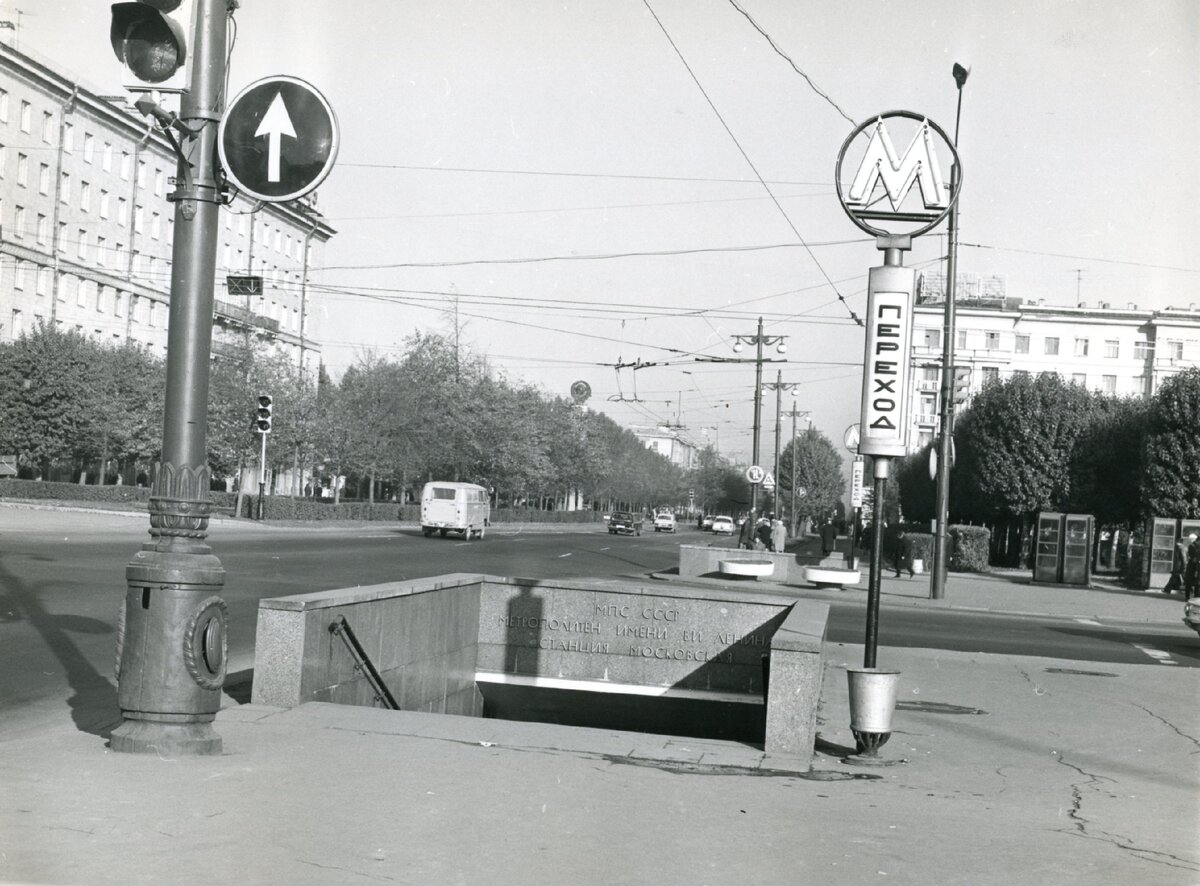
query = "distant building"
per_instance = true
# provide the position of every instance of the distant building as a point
(669, 443)
(86, 227)
(1121, 351)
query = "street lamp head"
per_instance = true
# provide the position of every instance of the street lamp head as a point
(782, 348)
(960, 74)
(737, 347)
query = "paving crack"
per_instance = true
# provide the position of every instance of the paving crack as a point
(1083, 827)
(1170, 725)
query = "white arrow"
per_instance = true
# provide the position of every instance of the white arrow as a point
(274, 124)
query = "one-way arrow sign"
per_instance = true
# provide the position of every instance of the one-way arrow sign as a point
(278, 139)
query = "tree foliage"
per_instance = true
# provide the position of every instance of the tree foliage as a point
(1172, 472)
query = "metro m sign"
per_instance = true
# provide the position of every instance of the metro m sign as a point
(883, 427)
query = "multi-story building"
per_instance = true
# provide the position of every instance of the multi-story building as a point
(1123, 351)
(86, 226)
(668, 442)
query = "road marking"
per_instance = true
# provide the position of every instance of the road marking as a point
(1089, 621)
(604, 549)
(560, 556)
(1157, 654)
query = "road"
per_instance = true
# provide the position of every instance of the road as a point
(62, 584)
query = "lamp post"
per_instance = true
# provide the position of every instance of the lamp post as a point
(759, 340)
(937, 576)
(779, 386)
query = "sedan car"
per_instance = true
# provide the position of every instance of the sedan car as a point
(723, 525)
(707, 522)
(664, 522)
(624, 522)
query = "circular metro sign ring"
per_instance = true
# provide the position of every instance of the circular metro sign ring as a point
(914, 189)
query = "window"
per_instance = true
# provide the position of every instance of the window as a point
(1051, 345)
(122, 211)
(1112, 348)
(47, 128)
(1175, 350)
(85, 196)
(68, 142)
(1142, 350)
(1021, 343)
(83, 241)
(1079, 378)
(138, 214)
(103, 204)
(19, 221)
(19, 275)
(1020, 373)
(102, 298)
(26, 117)
(991, 341)
(1108, 384)
(159, 182)
(64, 188)
(43, 229)
(932, 338)
(101, 251)
(961, 339)
(155, 225)
(990, 373)
(62, 236)
(44, 276)
(89, 147)
(44, 179)
(1081, 347)
(17, 327)
(126, 165)
(3, 106)
(108, 155)
(22, 170)
(119, 304)
(70, 285)
(141, 175)
(3, 154)
(84, 294)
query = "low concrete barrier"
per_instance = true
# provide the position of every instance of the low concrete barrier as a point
(437, 642)
(700, 560)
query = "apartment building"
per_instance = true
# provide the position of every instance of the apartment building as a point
(1118, 350)
(86, 227)
(668, 442)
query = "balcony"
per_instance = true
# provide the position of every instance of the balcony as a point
(237, 315)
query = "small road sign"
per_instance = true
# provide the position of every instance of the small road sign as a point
(278, 139)
(755, 474)
(851, 438)
(768, 482)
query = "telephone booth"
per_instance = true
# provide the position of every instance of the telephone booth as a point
(1160, 551)
(1064, 547)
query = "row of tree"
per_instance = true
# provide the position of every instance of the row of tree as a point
(71, 408)
(1030, 444)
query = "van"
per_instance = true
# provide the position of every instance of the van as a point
(455, 507)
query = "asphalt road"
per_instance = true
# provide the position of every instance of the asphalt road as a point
(62, 582)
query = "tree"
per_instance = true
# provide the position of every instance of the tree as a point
(813, 464)
(1172, 475)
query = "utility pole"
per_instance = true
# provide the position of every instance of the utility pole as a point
(779, 386)
(172, 649)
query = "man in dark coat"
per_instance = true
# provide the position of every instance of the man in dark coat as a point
(828, 538)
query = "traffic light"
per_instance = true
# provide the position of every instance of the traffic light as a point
(262, 417)
(151, 44)
(962, 384)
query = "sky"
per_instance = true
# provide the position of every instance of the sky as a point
(589, 186)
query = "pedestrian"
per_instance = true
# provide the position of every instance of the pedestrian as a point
(1191, 571)
(762, 533)
(1178, 563)
(778, 535)
(746, 534)
(828, 537)
(898, 547)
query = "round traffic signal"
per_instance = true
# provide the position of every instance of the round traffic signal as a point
(151, 44)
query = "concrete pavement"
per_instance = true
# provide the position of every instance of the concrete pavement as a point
(1019, 770)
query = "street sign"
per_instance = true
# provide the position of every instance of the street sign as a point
(885, 395)
(856, 483)
(278, 139)
(851, 438)
(244, 284)
(768, 482)
(755, 474)
(8, 466)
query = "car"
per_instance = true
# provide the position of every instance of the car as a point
(1191, 614)
(707, 522)
(624, 522)
(664, 522)
(722, 525)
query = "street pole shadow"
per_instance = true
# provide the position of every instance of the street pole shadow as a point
(93, 700)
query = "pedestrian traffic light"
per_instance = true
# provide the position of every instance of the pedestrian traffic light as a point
(151, 44)
(262, 417)
(962, 384)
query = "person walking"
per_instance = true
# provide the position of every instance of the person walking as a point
(762, 533)
(1178, 564)
(1191, 571)
(828, 537)
(899, 549)
(778, 535)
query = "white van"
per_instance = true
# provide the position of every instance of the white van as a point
(455, 507)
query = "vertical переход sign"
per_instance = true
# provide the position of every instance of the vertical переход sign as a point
(883, 426)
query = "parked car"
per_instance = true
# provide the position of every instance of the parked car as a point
(664, 522)
(723, 525)
(707, 522)
(624, 522)
(1191, 614)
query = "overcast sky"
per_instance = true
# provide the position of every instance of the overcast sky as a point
(603, 181)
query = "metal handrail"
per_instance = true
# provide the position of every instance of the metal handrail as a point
(339, 627)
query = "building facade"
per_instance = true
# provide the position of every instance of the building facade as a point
(86, 227)
(666, 442)
(1121, 351)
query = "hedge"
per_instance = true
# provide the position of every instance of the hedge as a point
(131, 497)
(970, 548)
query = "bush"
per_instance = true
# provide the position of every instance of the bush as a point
(920, 547)
(969, 548)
